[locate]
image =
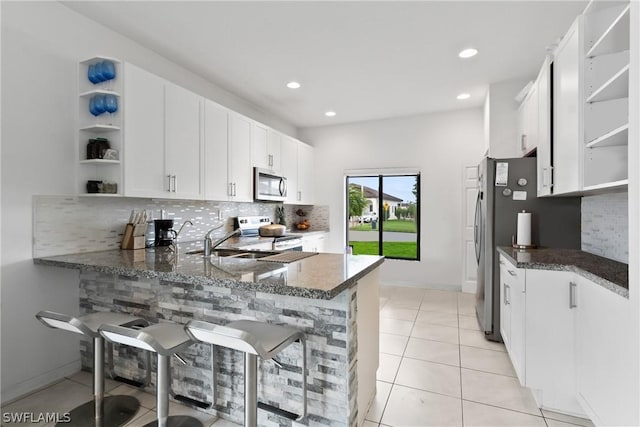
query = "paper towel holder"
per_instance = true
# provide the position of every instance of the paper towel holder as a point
(522, 247)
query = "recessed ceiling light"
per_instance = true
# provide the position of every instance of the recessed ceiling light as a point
(463, 96)
(468, 53)
(330, 113)
(293, 85)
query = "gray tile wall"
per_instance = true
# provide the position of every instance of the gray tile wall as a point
(330, 327)
(605, 226)
(73, 224)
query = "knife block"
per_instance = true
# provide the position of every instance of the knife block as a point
(133, 237)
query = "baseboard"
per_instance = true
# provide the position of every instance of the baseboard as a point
(469, 287)
(409, 284)
(19, 390)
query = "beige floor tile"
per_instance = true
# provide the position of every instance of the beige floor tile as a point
(147, 400)
(411, 303)
(467, 304)
(393, 344)
(398, 313)
(395, 326)
(86, 378)
(497, 390)
(61, 397)
(429, 376)
(568, 419)
(443, 306)
(477, 339)
(433, 351)
(175, 409)
(410, 407)
(476, 414)
(369, 424)
(383, 301)
(480, 359)
(435, 332)
(440, 295)
(388, 367)
(438, 318)
(377, 406)
(224, 423)
(468, 322)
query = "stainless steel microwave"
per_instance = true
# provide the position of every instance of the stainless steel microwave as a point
(269, 185)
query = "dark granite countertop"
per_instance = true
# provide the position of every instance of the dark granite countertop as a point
(608, 273)
(321, 276)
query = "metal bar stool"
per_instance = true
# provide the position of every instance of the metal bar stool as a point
(105, 411)
(254, 339)
(165, 339)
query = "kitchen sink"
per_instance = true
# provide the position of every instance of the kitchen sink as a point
(233, 253)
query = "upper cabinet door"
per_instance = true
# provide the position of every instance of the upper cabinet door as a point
(305, 174)
(182, 142)
(545, 171)
(567, 107)
(274, 150)
(216, 135)
(240, 171)
(289, 167)
(144, 173)
(259, 153)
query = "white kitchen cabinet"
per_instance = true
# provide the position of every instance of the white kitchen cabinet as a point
(567, 112)
(314, 242)
(306, 173)
(549, 351)
(216, 140)
(183, 143)
(265, 147)
(512, 314)
(144, 153)
(543, 152)
(240, 173)
(606, 95)
(528, 121)
(289, 167)
(606, 359)
(162, 138)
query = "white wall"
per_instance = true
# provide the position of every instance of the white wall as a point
(439, 145)
(41, 45)
(503, 118)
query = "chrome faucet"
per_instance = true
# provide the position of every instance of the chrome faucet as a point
(210, 246)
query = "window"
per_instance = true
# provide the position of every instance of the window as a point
(383, 215)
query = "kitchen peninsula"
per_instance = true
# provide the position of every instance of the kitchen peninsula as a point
(332, 297)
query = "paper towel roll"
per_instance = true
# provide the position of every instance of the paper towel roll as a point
(524, 229)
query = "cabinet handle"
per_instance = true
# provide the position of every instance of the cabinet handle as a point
(230, 189)
(169, 183)
(506, 296)
(523, 142)
(175, 183)
(270, 160)
(299, 195)
(234, 190)
(512, 273)
(572, 295)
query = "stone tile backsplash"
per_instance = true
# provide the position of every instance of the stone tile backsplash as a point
(605, 226)
(73, 224)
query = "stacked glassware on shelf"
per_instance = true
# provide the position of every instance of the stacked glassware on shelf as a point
(102, 73)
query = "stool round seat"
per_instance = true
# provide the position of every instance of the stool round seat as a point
(165, 339)
(101, 411)
(254, 339)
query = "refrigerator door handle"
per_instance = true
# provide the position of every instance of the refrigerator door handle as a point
(476, 227)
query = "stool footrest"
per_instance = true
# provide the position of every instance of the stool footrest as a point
(129, 381)
(278, 411)
(192, 402)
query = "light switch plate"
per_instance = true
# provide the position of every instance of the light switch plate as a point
(519, 195)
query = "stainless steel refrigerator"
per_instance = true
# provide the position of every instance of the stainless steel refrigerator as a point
(555, 223)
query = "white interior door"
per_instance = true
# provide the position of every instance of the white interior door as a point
(470, 194)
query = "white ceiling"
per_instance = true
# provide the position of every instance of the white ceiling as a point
(365, 60)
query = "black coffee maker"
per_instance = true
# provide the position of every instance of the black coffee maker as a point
(165, 234)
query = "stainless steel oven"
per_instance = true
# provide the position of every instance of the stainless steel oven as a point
(269, 186)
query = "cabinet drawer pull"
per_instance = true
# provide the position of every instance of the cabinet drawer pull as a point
(507, 290)
(572, 295)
